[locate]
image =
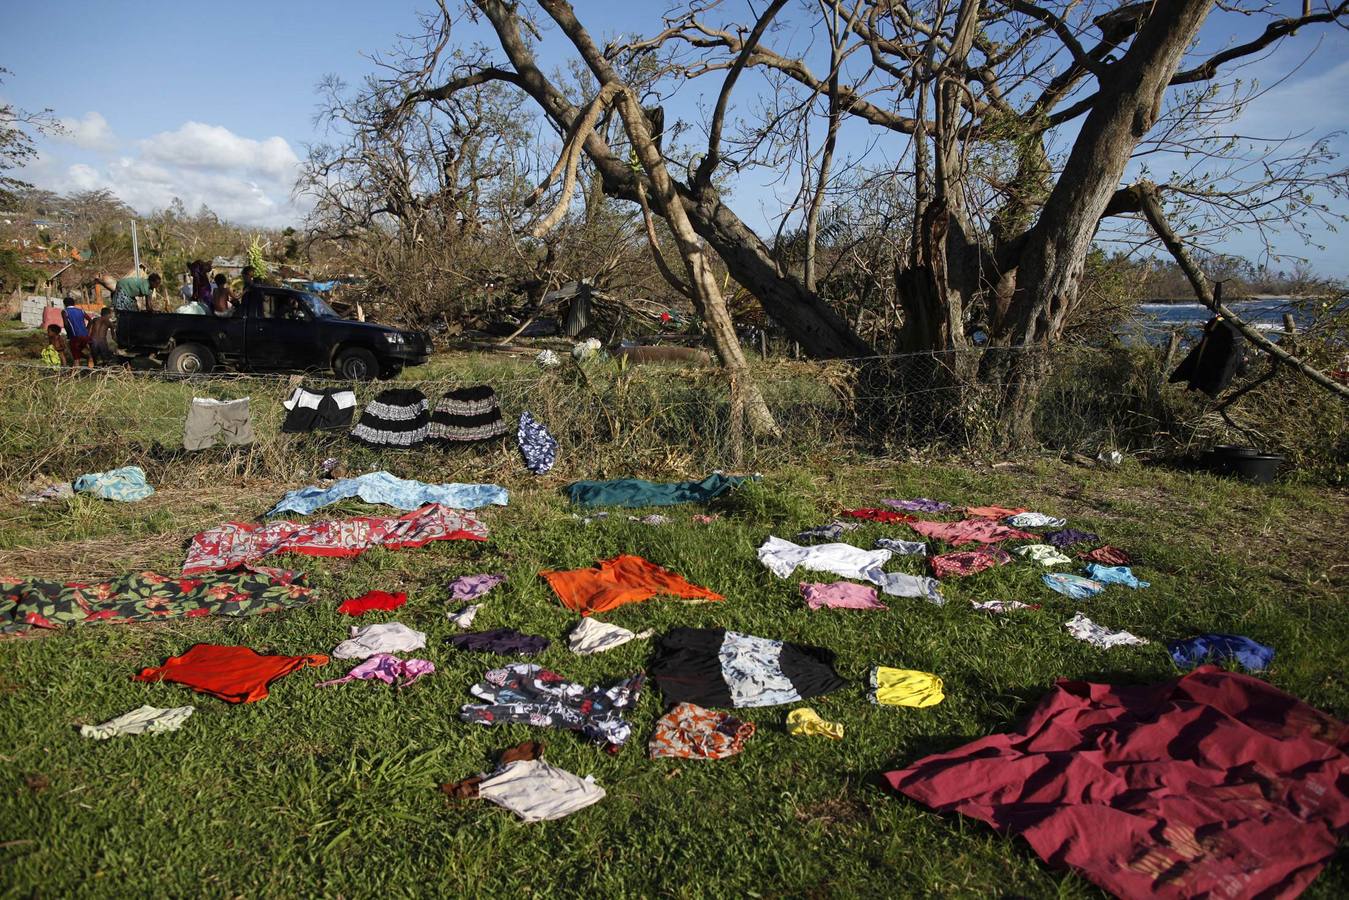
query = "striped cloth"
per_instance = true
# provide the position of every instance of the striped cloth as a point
(468, 414)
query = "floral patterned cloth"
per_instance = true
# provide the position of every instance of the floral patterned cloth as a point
(1069, 536)
(919, 504)
(1110, 556)
(34, 603)
(237, 543)
(691, 732)
(967, 562)
(537, 446)
(126, 484)
(524, 693)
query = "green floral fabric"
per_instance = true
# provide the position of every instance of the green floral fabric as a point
(35, 603)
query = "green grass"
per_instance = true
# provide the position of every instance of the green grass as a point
(332, 791)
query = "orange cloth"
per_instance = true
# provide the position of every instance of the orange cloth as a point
(992, 512)
(234, 674)
(623, 579)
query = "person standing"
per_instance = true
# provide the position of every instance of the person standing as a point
(77, 326)
(99, 330)
(133, 287)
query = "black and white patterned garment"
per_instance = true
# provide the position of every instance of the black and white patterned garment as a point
(396, 418)
(468, 414)
(527, 694)
(714, 667)
(538, 447)
(328, 408)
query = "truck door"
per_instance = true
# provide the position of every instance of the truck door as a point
(282, 333)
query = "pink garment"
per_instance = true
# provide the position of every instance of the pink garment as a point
(387, 669)
(236, 543)
(841, 595)
(471, 587)
(968, 531)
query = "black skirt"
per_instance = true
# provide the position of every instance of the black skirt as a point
(395, 418)
(468, 414)
(717, 668)
(329, 408)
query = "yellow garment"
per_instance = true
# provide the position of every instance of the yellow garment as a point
(806, 721)
(905, 687)
(50, 357)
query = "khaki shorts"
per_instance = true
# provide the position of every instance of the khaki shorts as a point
(217, 421)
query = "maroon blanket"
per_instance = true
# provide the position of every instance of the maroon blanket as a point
(1216, 785)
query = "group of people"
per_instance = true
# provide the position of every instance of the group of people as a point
(74, 338)
(202, 297)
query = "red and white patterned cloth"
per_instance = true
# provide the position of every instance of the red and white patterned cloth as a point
(237, 543)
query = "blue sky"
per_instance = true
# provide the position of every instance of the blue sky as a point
(214, 103)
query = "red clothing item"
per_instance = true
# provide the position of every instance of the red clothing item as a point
(623, 579)
(234, 674)
(966, 531)
(358, 606)
(967, 562)
(993, 512)
(1108, 556)
(877, 515)
(1212, 785)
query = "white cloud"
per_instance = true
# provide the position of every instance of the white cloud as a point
(243, 180)
(90, 132)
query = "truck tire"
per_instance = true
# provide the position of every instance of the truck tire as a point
(356, 364)
(190, 359)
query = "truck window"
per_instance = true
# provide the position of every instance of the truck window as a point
(286, 307)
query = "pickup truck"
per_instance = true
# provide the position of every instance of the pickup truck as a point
(273, 329)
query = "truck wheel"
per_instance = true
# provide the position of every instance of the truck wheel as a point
(356, 364)
(190, 359)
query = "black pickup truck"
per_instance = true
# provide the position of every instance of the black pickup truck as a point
(273, 329)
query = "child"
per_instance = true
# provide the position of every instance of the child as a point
(56, 343)
(222, 301)
(98, 337)
(77, 326)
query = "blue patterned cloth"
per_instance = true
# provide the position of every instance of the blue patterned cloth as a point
(126, 484)
(1114, 575)
(1252, 655)
(401, 493)
(1074, 586)
(537, 446)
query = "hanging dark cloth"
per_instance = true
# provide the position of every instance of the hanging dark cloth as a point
(1215, 360)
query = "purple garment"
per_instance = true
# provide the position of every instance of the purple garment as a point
(471, 587)
(506, 641)
(919, 504)
(387, 669)
(841, 595)
(1066, 537)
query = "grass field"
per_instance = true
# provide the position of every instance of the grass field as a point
(332, 792)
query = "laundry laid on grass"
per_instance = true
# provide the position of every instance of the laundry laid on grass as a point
(125, 485)
(840, 595)
(1221, 648)
(1114, 575)
(871, 514)
(968, 531)
(537, 446)
(463, 618)
(387, 668)
(899, 584)
(688, 731)
(397, 417)
(370, 602)
(527, 694)
(611, 583)
(968, 562)
(900, 547)
(1108, 555)
(467, 788)
(714, 667)
(1034, 520)
(1084, 629)
(56, 490)
(844, 560)
(471, 587)
(1075, 587)
(993, 512)
(143, 720)
(537, 792)
(593, 636)
(503, 641)
(324, 409)
(1068, 536)
(919, 504)
(211, 422)
(1044, 554)
(467, 415)
(806, 722)
(1002, 606)
(234, 674)
(825, 533)
(148, 596)
(384, 637)
(1213, 785)
(237, 543)
(635, 492)
(400, 493)
(904, 687)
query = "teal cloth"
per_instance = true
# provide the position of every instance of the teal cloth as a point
(633, 492)
(126, 484)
